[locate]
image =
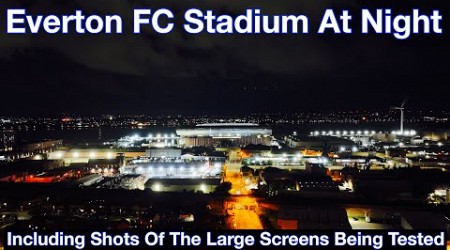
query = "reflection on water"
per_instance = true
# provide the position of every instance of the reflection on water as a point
(93, 135)
(88, 135)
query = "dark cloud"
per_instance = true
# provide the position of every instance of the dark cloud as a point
(181, 73)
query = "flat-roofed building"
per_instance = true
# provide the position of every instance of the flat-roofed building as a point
(180, 185)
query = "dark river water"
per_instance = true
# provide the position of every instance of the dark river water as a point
(111, 133)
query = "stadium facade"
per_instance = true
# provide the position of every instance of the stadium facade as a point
(224, 135)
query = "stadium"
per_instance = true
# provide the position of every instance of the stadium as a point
(224, 135)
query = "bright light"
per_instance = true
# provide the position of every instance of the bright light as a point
(76, 154)
(413, 132)
(157, 187)
(203, 188)
(59, 155)
(109, 155)
(359, 132)
(439, 144)
(354, 149)
(342, 149)
(92, 155)
(345, 132)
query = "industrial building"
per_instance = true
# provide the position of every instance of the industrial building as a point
(183, 185)
(6, 140)
(298, 217)
(40, 147)
(173, 168)
(330, 143)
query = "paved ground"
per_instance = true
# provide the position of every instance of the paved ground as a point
(242, 214)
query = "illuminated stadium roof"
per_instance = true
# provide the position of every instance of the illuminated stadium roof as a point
(224, 130)
(227, 125)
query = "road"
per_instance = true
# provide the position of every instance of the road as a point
(244, 219)
(242, 207)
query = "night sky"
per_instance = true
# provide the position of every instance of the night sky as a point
(181, 73)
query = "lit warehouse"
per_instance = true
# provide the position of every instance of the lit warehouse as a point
(185, 173)
(175, 169)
